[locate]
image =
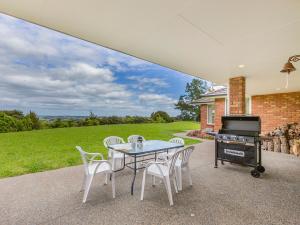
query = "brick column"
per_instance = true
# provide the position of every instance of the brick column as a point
(237, 104)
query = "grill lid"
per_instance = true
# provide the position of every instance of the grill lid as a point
(241, 125)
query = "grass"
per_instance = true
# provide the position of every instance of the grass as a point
(40, 150)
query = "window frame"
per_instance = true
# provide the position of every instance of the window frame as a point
(207, 114)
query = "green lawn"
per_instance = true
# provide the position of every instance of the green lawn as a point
(40, 150)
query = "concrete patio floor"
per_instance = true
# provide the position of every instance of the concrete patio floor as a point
(227, 195)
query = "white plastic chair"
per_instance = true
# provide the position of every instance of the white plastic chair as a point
(166, 155)
(134, 138)
(163, 170)
(117, 157)
(93, 167)
(183, 163)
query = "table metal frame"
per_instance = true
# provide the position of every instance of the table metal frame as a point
(135, 161)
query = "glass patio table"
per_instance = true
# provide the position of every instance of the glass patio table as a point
(149, 148)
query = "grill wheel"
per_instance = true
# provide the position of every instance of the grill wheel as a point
(260, 169)
(255, 173)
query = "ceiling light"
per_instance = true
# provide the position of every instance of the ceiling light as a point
(289, 67)
(241, 66)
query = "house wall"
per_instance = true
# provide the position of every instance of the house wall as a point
(219, 112)
(276, 109)
(203, 112)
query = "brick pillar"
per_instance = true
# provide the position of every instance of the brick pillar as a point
(237, 104)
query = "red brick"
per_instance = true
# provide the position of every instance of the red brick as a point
(237, 97)
(276, 109)
(203, 116)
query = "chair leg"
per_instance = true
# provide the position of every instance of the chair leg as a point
(179, 177)
(175, 184)
(143, 184)
(83, 183)
(121, 162)
(113, 184)
(106, 179)
(113, 163)
(153, 180)
(189, 174)
(88, 183)
(169, 190)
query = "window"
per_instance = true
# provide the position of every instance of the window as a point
(210, 114)
(226, 110)
(248, 105)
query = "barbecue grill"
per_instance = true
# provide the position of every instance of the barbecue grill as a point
(239, 142)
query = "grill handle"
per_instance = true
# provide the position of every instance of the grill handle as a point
(236, 142)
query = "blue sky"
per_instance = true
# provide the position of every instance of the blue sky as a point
(55, 74)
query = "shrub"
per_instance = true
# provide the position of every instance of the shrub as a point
(14, 113)
(161, 117)
(15, 120)
(7, 123)
(35, 120)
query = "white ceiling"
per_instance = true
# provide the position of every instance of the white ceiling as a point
(204, 38)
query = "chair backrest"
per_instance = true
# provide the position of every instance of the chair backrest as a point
(112, 140)
(134, 138)
(185, 155)
(173, 160)
(177, 140)
(84, 159)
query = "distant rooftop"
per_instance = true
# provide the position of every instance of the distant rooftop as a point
(216, 91)
(208, 97)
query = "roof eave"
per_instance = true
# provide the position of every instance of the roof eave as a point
(212, 95)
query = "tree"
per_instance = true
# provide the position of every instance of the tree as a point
(193, 91)
(7, 123)
(35, 120)
(57, 123)
(14, 113)
(161, 117)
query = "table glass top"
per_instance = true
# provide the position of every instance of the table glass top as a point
(148, 147)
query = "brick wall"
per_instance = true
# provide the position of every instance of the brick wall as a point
(276, 109)
(203, 111)
(219, 112)
(237, 104)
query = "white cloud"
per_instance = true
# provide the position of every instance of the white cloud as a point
(44, 83)
(83, 69)
(148, 81)
(52, 73)
(156, 99)
(122, 62)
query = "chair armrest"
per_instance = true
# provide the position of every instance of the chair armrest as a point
(101, 162)
(94, 155)
(157, 165)
(155, 162)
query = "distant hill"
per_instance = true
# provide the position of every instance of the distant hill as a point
(49, 118)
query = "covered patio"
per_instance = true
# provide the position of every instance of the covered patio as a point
(238, 44)
(226, 195)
